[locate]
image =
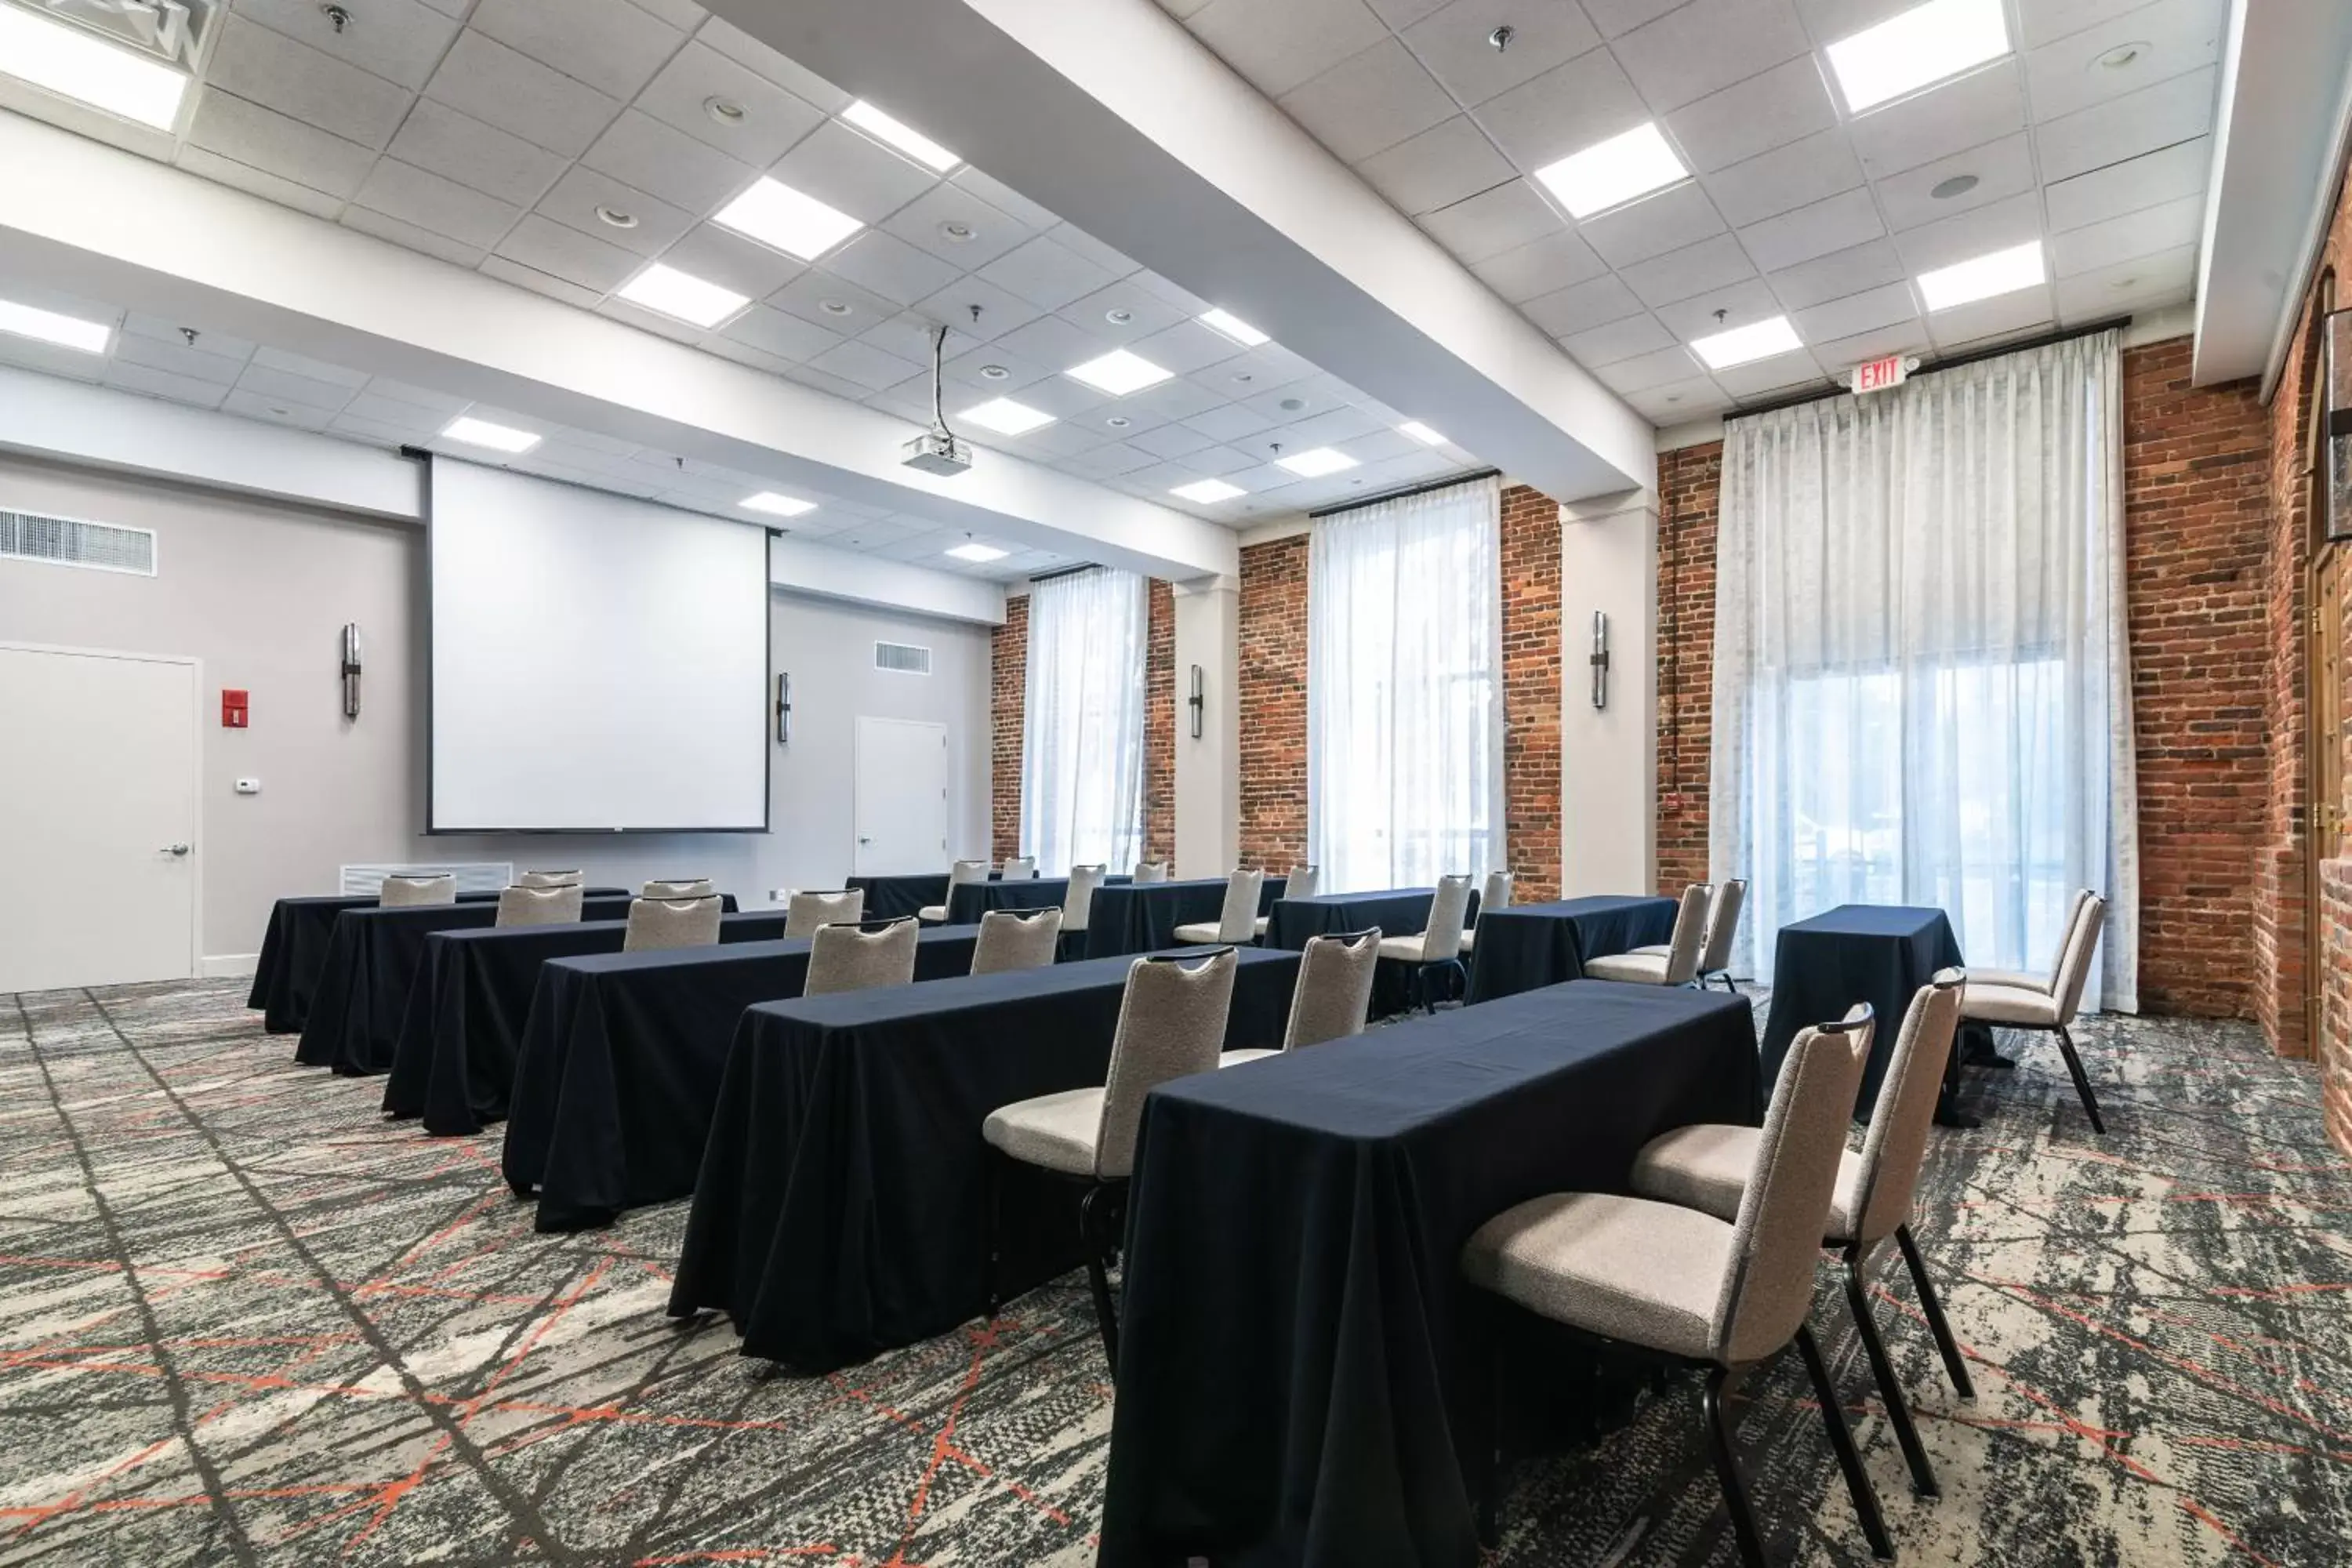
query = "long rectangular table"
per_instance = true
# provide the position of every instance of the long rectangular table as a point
(1529, 946)
(461, 1030)
(1398, 912)
(372, 959)
(621, 1063)
(890, 898)
(1878, 953)
(1300, 1367)
(1143, 918)
(293, 946)
(839, 1209)
(966, 904)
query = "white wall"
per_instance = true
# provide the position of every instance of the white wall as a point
(1607, 765)
(260, 592)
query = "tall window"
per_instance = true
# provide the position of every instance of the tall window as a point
(1921, 690)
(1082, 722)
(1404, 731)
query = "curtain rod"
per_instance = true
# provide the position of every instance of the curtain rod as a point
(1953, 362)
(1445, 484)
(1066, 571)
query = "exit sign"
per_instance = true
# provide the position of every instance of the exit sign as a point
(1881, 374)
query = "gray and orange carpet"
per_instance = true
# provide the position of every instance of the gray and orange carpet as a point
(244, 1322)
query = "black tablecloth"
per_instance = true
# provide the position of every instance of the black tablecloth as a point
(1132, 919)
(1398, 912)
(1298, 1349)
(1529, 946)
(1878, 953)
(293, 947)
(839, 1210)
(968, 903)
(621, 1061)
(889, 897)
(372, 957)
(462, 1029)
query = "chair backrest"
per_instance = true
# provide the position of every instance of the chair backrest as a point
(1151, 871)
(964, 872)
(1722, 924)
(1690, 930)
(1016, 939)
(1302, 881)
(1442, 938)
(1495, 894)
(1896, 1144)
(856, 957)
(1019, 868)
(522, 906)
(677, 888)
(804, 911)
(2065, 936)
(1238, 920)
(1079, 898)
(549, 879)
(1334, 995)
(402, 892)
(1171, 1023)
(672, 923)
(2074, 964)
(1777, 1239)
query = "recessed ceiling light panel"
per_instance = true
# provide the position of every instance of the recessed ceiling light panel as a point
(1421, 433)
(1611, 173)
(784, 219)
(482, 433)
(49, 327)
(74, 64)
(1232, 326)
(682, 295)
(1207, 491)
(973, 550)
(1921, 46)
(1119, 372)
(1006, 418)
(2001, 272)
(776, 505)
(1758, 340)
(1316, 462)
(905, 137)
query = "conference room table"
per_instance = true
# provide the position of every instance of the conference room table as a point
(967, 903)
(1878, 953)
(840, 1210)
(1302, 1372)
(621, 1063)
(294, 946)
(890, 897)
(1398, 912)
(1142, 917)
(461, 1030)
(1529, 946)
(372, 959)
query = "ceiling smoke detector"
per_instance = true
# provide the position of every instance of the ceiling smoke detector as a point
(1500, 38)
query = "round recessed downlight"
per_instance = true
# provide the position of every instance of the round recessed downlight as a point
(956, 233)
(994, 372)
(832, 307)
(1958, 186)
(1244, 379)
(2123, 55)
(1293, 405)
(615, 216)
(725, 110)
(1118, 422)
(1118, 318)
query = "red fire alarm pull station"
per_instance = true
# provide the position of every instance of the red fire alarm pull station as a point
(236, 708)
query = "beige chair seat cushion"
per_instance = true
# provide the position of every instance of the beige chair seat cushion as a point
(1643, 1273)
(1655, 950)
(1707, 1168)
(1259, 925)
(1235, 1058)
(1055, 1130)
(1469, 942)
(1985, 1002)
(932, 913)
(1406, 948)
(1642, 968)
(1197, 931)
(2017, 979)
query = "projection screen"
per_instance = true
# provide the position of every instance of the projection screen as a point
(598, 664)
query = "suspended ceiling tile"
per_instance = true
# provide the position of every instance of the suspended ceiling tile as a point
(1368, 102)
(494, 84)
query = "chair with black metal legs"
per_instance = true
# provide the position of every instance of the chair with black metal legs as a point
(1300, 883)
(1675, 964)
(539, 906)
(805, 911)
(1722, 926)
(1172, 1022)
(2011, 1001)
(403, 890)
(1437, 950)
(1237, 921)
(1707, 1168)
(1495, 895)
(1333, 998)
(859, 956)
(1016, 939)
(959, 874)
(1675, 1286)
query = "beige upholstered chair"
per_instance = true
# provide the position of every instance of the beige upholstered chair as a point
(1437, 948)
(522, 906)
(804, 911)
(672, 923)
(1495, 895)
(1674, 1285)
(1722, 926)
(549, 879)
(1150, 871)
(1078, 901)
(2043, 980)
(1016, 939)
(860, 956)
(1019, 868)
(678, 887)
(1708, 1168)
(1677, 964)
(961, 872)
(1300, 883)
(1333, 998)
(1238, 922)
(1171, 1021)
(405, 891)
(2048, 1009)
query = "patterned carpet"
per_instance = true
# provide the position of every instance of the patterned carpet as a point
(243, 1322)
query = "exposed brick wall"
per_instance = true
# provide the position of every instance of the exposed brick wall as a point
(1531, 692)
(1008, 684)
(1689, 482)
(1160, 726)
(1273, 691)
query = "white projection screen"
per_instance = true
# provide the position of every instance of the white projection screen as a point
(599, 664)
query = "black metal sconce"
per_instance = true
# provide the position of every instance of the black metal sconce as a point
(1196, 701)
(351, 671)
(1600, 660)
(783, 709)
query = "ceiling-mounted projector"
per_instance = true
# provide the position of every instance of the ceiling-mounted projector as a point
(938, 450)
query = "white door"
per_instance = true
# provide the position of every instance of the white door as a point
(902, 798)
(97, 818)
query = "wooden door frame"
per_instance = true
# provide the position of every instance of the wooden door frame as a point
(2320, 554)
(197, 837)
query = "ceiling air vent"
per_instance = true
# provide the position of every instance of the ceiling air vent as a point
(62, 541)
(904, 657)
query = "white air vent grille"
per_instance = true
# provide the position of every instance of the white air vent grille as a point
(907, 658)
(62, 541)
(473, 875)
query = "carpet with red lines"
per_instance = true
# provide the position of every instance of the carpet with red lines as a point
(242, 1320)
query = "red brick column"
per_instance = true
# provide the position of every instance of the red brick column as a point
(1689, 483)
(1273, 700)
(1008, 684)
(1531, 692)
(1160, 726)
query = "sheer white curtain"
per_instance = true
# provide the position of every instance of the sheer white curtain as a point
(1404, 711)
(1082, 722)
(1922, 693)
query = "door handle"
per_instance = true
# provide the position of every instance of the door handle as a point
(175, 849)
(862, 838)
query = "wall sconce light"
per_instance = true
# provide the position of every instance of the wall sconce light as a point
(1196, 701)
(783, 709)
(351, 671)
(1600, 660)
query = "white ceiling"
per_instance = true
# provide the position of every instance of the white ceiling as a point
(487, 132)
(1797, 206)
